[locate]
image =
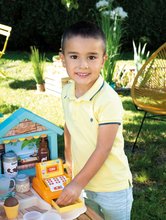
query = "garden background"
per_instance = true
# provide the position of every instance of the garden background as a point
(41, 23)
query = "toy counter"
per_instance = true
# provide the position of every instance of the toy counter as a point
(30, 201)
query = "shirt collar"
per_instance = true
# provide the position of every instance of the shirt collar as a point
(88, 96)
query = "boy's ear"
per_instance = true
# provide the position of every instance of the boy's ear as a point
(105, 57)
(61, 55)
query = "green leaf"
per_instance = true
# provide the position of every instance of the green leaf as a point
(29, 143)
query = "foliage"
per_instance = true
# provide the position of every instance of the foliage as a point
(42, 22)
(111, 23)
(38, 64)
(31, 143)
(70, 4)
(146, 23)
(124, 75)
(139, 55)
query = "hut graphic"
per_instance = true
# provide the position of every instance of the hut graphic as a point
(21, 132)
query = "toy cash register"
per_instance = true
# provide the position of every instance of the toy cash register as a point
(49, 182)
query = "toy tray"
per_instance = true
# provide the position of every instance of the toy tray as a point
(62, 209)
(31, 201)
(70, 213)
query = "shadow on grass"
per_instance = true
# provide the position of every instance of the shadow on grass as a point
(150, 127)
(152, 134)
(16, 55)
(129, 105)
(23, 84)
(24, 56)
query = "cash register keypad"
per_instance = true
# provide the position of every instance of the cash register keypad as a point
(56, 183)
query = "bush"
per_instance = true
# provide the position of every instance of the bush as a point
(41, 23)
(146, 22)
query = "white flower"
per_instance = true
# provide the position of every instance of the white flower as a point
(120, 12)
(106, 13)
(109, 13)
(101, 4)
(112, 14)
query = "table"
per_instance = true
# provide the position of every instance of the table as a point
(29, 201)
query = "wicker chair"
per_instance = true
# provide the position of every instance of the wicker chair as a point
(149, 88)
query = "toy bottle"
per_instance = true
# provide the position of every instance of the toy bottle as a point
(43, 151)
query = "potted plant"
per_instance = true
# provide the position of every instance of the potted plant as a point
(38, 65)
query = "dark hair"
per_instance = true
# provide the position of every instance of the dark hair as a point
(84, 29)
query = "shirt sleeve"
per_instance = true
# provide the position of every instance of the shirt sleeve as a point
(110, 110)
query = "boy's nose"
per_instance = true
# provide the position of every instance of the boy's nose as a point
(83, 64)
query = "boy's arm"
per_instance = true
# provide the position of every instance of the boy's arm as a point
(68, 159)
(105, 140)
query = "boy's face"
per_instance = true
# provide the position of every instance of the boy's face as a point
(83, 59)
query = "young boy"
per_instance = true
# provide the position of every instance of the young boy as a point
(94, 145)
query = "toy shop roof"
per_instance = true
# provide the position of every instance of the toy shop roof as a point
(22, 114)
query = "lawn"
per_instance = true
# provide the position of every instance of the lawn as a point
(148, 165)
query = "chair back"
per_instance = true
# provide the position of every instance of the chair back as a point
(5, 32)
(149, 87)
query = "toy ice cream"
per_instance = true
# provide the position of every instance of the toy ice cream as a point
(11, 206)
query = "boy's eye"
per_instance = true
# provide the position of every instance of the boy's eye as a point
(92, 57)
(74, 57)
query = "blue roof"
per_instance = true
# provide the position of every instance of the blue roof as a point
(22, 114)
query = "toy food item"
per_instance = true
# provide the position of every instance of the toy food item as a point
(11, 201)
(11, 205)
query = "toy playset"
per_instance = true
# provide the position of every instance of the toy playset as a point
(49, 182)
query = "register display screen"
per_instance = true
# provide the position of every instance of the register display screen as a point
(51, 168)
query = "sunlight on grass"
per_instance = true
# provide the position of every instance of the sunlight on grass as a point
(142, 177)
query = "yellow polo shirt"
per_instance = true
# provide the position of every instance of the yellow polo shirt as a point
(83, 115)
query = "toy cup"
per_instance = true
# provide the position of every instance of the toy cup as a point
(11, 212)
(33, 215)
(11, 206)
(6, 184)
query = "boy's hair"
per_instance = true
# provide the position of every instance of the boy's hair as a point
(84, 29)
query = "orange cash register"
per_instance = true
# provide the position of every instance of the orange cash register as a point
(49, 182)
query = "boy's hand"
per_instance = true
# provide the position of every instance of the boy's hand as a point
(69, 170)
(69, 194)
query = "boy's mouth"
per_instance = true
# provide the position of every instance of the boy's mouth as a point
(80, 74)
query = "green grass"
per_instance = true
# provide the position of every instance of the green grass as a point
(148, 165)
